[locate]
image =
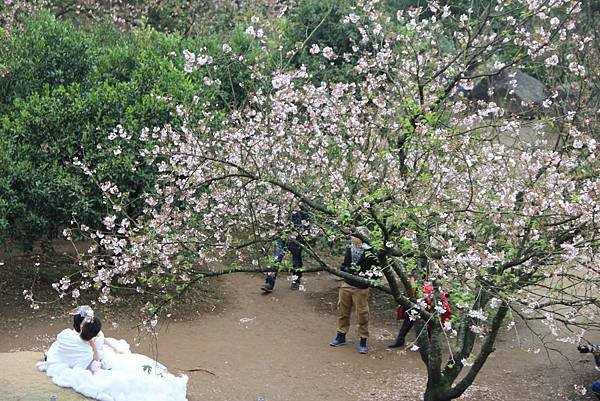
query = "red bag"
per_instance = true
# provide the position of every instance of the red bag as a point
(448, 314)
(427, 290)
(400, 313)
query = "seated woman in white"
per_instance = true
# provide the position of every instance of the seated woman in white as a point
(73, 347)
(81, 361)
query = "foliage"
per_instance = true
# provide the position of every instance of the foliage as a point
(315, 25)
(356, 112)
(188, 17)
(454, 192)
(44, 53)
(66, 88)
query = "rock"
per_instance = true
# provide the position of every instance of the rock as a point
(20, 380)
(511, 89)
(569, 92)
(569, 97)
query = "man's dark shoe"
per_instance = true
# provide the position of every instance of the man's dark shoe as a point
(340, 339)
(267, 288)
(295, 285)
(362, 346)
(397, 344)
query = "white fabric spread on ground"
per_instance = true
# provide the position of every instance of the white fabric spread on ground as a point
(70, 350)
(126, 377)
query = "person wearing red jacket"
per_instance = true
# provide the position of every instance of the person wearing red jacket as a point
(407, 324)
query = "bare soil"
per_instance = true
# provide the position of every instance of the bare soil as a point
(238, 344)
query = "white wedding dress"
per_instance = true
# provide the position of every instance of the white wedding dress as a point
(125, 376)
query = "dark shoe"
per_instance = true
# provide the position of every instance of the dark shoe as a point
(295, 285)
(267, 288)
(397, 344)
(340, 339)
(362, 346)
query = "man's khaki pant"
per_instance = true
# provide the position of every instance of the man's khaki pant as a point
(358, 297)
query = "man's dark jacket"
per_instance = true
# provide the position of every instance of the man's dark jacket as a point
(365, 263)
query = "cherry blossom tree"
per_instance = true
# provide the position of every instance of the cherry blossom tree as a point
(499, 209)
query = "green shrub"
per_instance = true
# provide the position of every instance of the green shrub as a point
(321, 22)
(50, 117)
(45, 51)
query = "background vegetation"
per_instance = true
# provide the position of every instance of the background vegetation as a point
(72, 73)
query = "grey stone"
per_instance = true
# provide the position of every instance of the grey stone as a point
(569, 97)
(21, 380)
(511, 89)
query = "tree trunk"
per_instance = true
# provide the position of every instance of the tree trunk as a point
(436, 392)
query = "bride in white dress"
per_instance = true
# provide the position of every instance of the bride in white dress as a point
(104, 368)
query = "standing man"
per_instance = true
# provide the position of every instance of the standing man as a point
(300, 220)
(359, 260)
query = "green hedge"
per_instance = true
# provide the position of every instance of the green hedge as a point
(66, 89)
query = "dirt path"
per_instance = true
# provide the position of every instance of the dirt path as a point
(274, 347)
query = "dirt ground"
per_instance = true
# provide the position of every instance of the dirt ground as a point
(249, 346)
